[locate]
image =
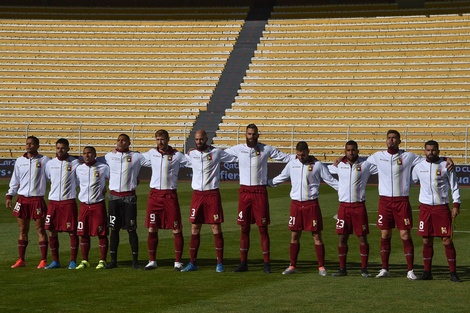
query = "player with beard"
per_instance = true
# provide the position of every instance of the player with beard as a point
(206, 204)
(353, 174)
(62, 212)
(163, 209)
(305, 173)
(28, 181)
(253, 205)
(435, 217)
(92, 176)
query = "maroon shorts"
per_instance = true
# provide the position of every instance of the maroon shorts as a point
(30, 208)
(352, 217)
(62, 215)
(305, 215)
(92, 220)
(206, 207)
(394, 211)
(163, 210)
(434, 221)
(253, 206)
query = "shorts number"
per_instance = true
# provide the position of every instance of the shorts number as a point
(379, 220)
(17, 207)
(152, 218)
(193, 213)
(240, 215)
(339, 224)
(112, 219)
(421, 225)
(80, 225)
(291, 220)
(48, 219)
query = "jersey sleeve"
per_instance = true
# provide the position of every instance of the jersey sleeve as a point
(327, 177)
(454, 186)
(283, 176)
(14, 181)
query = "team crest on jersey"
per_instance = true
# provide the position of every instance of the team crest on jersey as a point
(216, 217)
(69, 168)
(97, 174)
(68, 225)
(209, 157)
(314, 223)
(438, 172)
(443, 230)
(399, 161)
(310, 167)
(406, 221)
(129, 159)
(170, 157)
(359, 168)
(38, 165)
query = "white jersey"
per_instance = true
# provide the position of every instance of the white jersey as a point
(92, 182)
(124, 169)
(435, 181)
(206, 167)
(253, 162)
(64, 183)
(305, 179)
(165, 168)
(352, 179)
(394, 172)
(29, 176)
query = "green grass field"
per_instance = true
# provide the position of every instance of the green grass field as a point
(163, 290)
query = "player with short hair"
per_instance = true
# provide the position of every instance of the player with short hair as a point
(28, 181)
(124, 166)
(435, 217)
(206, 203)
(353, 175)
(305, 173)
(62, 212)
(163, 209)
(253, 204)
(92, 220)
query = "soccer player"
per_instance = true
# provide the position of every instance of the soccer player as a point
(353, 174)
(435, 217)
(206, 204)
(253, 205)
(305, 173)
(62, 212)
(394, 169)
(28, 181)
(124, 166)
(92, 221)
(163, 209)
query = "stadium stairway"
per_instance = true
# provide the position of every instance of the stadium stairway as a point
(233, 73)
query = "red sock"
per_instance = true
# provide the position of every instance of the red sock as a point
(265, 243)
(244, 243)
(22, 244)
(428, 252)
(179, 244)
(320, 251)
(54, 247)
(152, 243)
(103, 243)
(409, 249)
(294, 253)
(451, 256)
(219, 247)
(73, 247)
(194, 247)
(385, 252)
(342, 254)
(364, 251)
(85, 247)
(43, 248)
